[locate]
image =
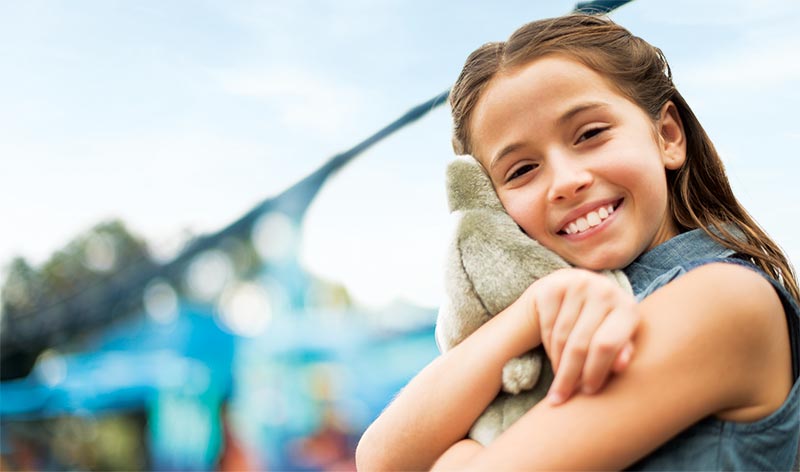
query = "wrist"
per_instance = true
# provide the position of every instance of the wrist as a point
(526, 322)
(531, 315)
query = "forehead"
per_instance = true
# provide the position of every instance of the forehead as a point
(535, 95)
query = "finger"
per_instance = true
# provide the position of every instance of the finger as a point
(569, 285)
(563, 325)
(624, 358)
(576, 350)
(597, 368)
(548, 298)
(606, 346)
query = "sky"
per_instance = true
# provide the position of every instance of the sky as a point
(179, 116)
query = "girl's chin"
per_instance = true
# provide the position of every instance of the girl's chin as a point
(596, 264)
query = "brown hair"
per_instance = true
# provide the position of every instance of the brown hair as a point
(700, 195)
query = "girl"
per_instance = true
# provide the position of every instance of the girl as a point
(595, 154)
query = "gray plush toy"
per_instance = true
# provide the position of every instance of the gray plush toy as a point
(490, 262)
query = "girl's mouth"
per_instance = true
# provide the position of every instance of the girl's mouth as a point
(590, 220)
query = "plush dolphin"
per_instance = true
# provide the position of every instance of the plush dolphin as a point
(490, 262)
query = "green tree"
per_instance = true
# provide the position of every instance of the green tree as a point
(80, 288)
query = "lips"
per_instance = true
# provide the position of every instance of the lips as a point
(588, 217)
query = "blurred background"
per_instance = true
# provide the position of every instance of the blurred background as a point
(200, 268)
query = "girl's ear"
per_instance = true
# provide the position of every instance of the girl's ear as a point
(672, 138)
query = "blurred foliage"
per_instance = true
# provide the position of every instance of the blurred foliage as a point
(41, 299)
(99, 277)
(85, 262)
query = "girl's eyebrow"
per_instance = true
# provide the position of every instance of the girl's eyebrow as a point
(503, 153)
(562, 120)
(579, 108)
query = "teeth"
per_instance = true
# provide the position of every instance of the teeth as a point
(590, 220)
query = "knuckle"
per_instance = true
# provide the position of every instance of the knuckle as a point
(632, 308)
(565, 380)
(590, 386)
(588, 379)
(578, 351)
(558, 340)
(604, 347)
(593, 276)
(583, 278)
(557, 344)
(607, 295)
(547, 320)
(567, 272)
(623, 298)
(628, 314)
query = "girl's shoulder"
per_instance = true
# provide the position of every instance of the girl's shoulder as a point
(746, 322)
(757, 290)
(736, 318)
(746, 343)
(740, 293)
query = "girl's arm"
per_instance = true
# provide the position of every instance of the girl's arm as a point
(585, 317)
(713, 342)
(440, 404)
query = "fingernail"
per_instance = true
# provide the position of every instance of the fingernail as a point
(555, 398)
(587, 390)
(626, 354)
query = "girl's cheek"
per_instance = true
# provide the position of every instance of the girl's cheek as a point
(524, 208)
(516, 214)
(528, 219)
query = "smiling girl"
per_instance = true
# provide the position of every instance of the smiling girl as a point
(595, 154)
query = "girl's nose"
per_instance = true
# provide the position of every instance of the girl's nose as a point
(569, 178)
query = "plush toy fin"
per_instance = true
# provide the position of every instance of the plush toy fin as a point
(462, 312)
(468, 187)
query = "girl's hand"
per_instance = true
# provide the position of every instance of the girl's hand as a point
(587, 322)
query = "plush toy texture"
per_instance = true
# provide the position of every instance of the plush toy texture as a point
(490, 262)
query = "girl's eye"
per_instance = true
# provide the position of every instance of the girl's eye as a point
(591, 133)
(521, 170)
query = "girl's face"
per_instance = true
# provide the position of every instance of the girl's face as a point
(575, 163)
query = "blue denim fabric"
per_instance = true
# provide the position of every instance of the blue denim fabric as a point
(664, 263)
(770, 443)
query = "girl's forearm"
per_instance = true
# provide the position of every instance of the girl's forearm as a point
(459, 456)
(438, 406)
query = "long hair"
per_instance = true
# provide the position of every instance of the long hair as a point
(700, 195)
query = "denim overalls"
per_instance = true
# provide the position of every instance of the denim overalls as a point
(770, 443)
